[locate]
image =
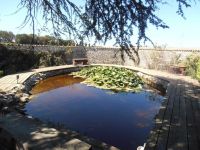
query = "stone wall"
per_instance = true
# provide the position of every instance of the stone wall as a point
(104, 56)
(110, 55)
(95, 55)
(157, 58)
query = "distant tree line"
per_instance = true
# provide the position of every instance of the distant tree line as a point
(9, 37)
(6, 36)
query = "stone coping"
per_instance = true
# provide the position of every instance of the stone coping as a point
(155, 82)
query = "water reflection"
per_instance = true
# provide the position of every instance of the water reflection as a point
(55, 82)
(120, 119)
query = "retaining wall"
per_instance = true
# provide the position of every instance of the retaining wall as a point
(111, 55)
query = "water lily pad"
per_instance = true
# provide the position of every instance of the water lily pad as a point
(114, 78)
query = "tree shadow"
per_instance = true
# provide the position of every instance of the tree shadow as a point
(177, 125)
(34, 134)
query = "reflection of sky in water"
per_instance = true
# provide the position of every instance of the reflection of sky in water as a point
(121, 119)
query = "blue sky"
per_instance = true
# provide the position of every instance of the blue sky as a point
(182, 32)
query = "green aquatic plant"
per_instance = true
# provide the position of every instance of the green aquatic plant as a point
(113, 78)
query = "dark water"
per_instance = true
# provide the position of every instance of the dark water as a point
(123, 120)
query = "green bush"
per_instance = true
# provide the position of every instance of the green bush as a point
(46, 58)
(192, 63)
(13, 60)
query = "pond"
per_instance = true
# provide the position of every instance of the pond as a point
(120, 119)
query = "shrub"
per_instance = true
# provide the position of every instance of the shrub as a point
(46, 58)
(175, 59)
(192, 63)
(156, 57)
(14, 60)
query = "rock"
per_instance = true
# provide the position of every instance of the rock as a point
(22, 87)
(30, 117)
(1, 104)
(76, 144)
(141, 147)
(25, 95)
(9, 96)
(24, 99)
(7, 102)
(8, 99)
(5, 109)
(18, 95)
(10, 102)
(3, 97)
(2, 93)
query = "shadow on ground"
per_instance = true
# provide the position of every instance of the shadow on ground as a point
(177, 125)
(34, 134)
